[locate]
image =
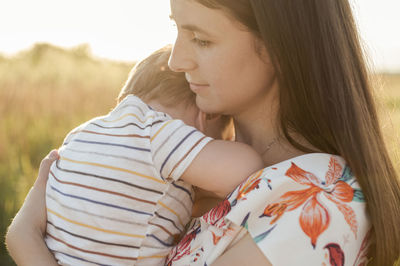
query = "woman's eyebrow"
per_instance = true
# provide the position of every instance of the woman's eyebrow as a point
(190, 27)
(194, 28)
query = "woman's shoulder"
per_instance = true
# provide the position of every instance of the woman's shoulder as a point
(319, 170)
(314, 169)
(318, 163)
(310, 205)
(308, 210)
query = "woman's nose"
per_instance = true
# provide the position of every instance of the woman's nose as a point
(182, 57)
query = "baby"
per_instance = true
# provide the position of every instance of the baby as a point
(120, 193)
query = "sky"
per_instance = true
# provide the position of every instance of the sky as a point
(129, 30)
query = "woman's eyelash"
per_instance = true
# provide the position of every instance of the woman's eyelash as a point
(201, 43)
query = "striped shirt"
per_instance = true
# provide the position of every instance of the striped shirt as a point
(113, 197)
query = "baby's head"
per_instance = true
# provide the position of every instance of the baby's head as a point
(165, 90)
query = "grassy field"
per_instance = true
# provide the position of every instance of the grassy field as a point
(47, 91)
(44, 93)
(388, 93)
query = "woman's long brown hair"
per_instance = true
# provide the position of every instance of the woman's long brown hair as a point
(325, 96)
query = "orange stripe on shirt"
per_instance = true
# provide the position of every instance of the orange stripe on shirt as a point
(114, 168)
(101, 190)
(112, 135)
(93, 227)
(89, 251)
(163, 228)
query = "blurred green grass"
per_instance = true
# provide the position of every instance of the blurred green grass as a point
(46, 91)
(387, 92)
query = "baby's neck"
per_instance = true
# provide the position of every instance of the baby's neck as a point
(179, 111)
(157, 106)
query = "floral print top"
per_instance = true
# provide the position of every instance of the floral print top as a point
(310, 207)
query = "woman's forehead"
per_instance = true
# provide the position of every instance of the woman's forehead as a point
(191, 15)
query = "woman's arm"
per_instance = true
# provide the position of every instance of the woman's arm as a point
(244, 252)
(25, 235)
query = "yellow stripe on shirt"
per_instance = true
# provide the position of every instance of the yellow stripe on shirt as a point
(158, 131)
(114, 168)
(153, 257)
(93, 227)
(122, 117)
(171, 210)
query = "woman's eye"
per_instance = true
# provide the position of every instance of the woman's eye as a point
(201, 43)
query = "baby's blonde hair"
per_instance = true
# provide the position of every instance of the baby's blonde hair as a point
(151, 79)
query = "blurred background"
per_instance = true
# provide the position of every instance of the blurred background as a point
(63, 62)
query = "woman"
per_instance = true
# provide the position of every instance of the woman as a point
(292, 75)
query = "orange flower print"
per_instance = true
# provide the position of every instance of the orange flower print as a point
(247, 186)
(216, 238)
(314, 218)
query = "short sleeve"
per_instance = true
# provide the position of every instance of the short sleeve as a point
(305, 211)
(174, 145)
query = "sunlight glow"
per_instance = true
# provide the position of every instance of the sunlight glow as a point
(130, 29)
(116, 29)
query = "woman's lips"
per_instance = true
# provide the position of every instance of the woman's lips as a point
(196, 88)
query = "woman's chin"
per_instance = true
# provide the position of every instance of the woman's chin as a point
(206, 106)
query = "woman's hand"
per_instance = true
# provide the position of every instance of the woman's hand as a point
(244, 252)
(203, 202)
(25, 236)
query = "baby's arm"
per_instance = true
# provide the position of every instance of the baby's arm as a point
(222, 165)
